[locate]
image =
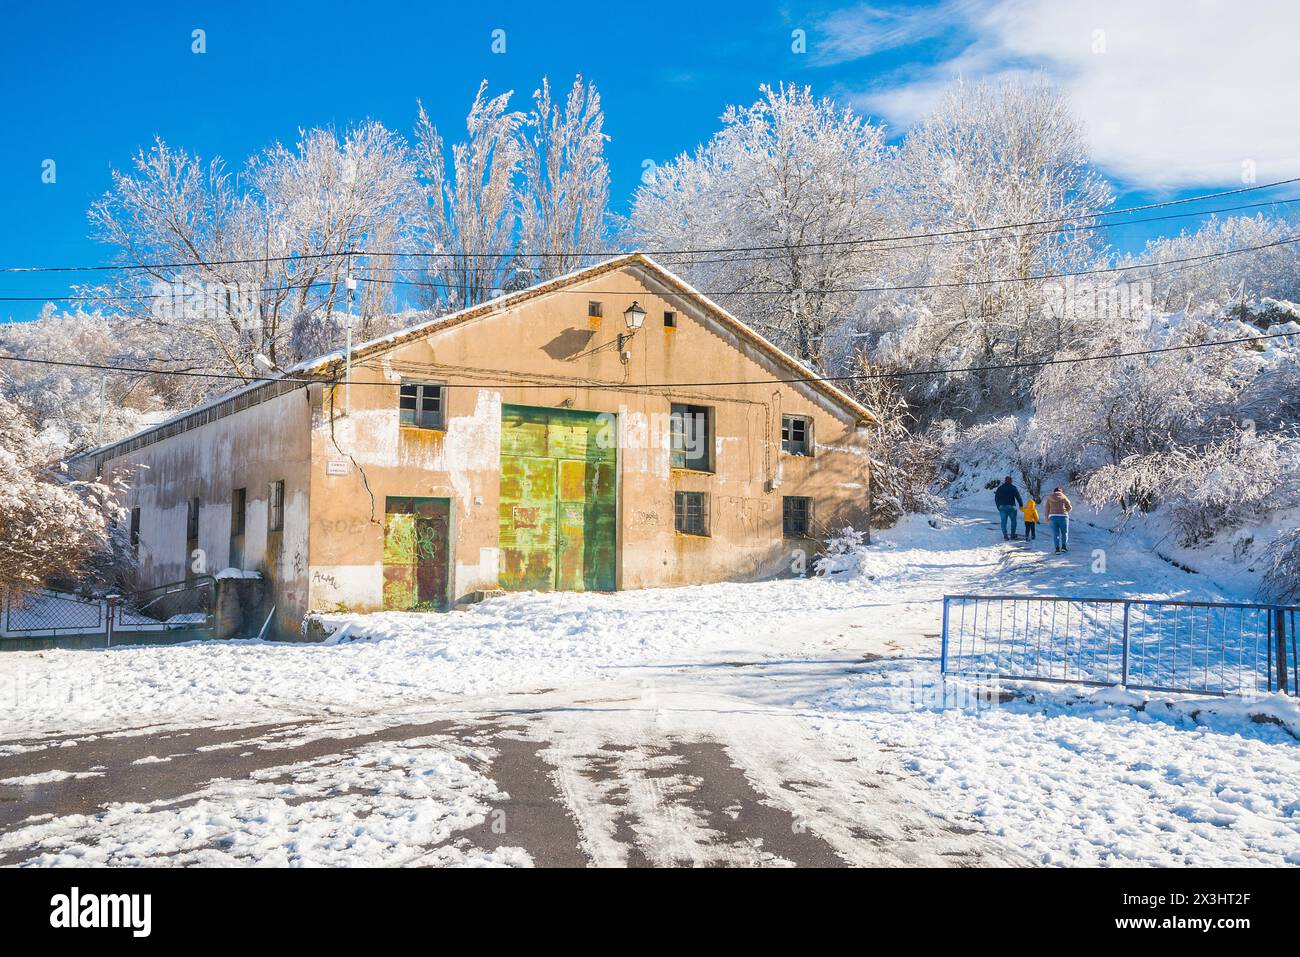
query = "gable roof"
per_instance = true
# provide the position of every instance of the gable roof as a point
(304, 372)
(501, 304)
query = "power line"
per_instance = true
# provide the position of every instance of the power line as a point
(1091, 214)
(1041, 277)
(674, 259)
(581, 383)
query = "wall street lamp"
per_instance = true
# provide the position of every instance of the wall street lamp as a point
(633, 315)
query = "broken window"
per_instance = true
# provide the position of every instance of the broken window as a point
(796, 516)
(275, 510)
(691, 513)
(594, 309)
(796, 435)
(420, 405)
(692, 440)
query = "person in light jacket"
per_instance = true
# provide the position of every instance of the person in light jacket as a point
(1057, 506)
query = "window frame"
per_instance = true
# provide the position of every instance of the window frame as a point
(595, 309)
(192, 509)
(670, 319)
(786, 502)
(437, 420)
(275, 507)
(238, 511)
(134, 532)
(678, 455)
(681, 514)
(787, 435)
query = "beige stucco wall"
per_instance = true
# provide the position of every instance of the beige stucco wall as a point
(486, 361)
(248, 449)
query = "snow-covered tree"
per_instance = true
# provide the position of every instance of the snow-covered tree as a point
(1100, 412)
(799, 183)
(988, 156)
(565, 188)
(1269, 266)
(1022, 444)
(73, 407)
(51, 527)
(906, 462)
(255, 265)
(469, 209)
(324, 198)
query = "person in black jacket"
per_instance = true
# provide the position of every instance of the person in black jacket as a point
(1007, 499)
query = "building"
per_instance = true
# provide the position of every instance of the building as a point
(536, 441)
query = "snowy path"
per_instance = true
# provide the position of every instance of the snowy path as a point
(775, 723)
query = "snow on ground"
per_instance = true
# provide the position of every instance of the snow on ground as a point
(845, 666)
(378, 806)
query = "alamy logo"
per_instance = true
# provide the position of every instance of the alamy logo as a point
(102, 910)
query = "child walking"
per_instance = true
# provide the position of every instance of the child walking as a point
(1030, 511)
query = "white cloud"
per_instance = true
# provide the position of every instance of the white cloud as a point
(1175, 93)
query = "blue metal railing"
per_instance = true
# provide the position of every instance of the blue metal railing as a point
(1223, 648)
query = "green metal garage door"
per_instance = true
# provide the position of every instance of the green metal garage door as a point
(557, 499)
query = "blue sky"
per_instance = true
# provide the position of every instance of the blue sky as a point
(1181, 96)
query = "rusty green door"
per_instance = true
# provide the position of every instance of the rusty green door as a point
(417, 535)
(558, 494)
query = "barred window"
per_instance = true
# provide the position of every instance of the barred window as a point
(691, 513)
(796, 516)
(421, 405)
(796, 435)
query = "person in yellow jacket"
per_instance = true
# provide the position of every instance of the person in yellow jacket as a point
(1030, 511)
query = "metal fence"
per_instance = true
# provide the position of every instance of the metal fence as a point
(1221, 648)
(188, 606)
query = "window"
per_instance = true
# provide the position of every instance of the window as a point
(593, 310)
(238, 504)
(135, 528)
(796, 516)
(192, 565)
(238, 507)
(192, 522)
(670, 320)
(691, 513)
(692, 440)
(275, 516)
(796, 435)
(420, 405)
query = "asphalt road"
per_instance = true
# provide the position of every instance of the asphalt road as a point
(579, 782)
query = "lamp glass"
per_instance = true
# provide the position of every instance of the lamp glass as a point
(634, 316)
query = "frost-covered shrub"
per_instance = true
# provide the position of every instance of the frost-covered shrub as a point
(1234, 481)
(1282, 580)
(841, 556)
(51, 527)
